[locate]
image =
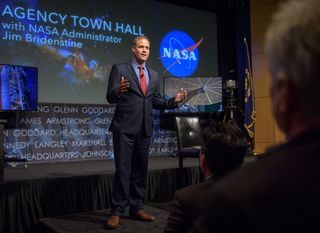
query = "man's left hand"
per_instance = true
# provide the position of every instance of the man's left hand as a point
(180, 96)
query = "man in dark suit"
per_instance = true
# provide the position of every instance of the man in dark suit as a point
(134, 88)
(281, 191)
(224, 147)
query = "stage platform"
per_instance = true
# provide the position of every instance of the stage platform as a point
(94, 222)
(44, 192)
(46, 198)
(84, 168)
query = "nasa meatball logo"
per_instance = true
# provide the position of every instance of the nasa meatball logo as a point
(179, 54)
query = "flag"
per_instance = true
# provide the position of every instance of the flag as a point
(249, 101)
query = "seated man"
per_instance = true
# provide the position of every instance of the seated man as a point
(280, 192)
(223, 149)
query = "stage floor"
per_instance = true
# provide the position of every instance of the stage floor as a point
(94, 222)
(84, 168)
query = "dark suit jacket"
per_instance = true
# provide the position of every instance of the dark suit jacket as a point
(185, 207)
(278, 193)
(133, 109)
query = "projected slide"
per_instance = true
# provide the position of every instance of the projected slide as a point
(74, 43)
(204, 93)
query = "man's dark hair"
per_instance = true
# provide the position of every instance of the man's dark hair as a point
(224, 147)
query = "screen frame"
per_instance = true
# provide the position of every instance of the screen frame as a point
(173, 112)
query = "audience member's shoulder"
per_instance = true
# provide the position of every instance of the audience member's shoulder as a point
(244, 176)
(250, 159)
(263, 170)
(195, 189)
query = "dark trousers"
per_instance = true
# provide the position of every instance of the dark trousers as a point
(130, 179)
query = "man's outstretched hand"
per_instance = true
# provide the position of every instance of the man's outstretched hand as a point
(180, 96)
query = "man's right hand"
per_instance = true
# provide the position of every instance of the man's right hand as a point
(123, 87)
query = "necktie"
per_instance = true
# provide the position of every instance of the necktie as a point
(143, 80)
